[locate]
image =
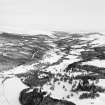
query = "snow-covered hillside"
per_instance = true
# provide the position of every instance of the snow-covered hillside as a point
(68, 67)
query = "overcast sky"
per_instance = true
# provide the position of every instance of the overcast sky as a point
(70, 15)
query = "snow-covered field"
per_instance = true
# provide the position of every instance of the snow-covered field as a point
(61, 62)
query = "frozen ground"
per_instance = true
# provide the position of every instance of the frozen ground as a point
(67, 66)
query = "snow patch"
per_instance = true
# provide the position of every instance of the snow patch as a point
(95, 62)
(18, 70)
(11, 89)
